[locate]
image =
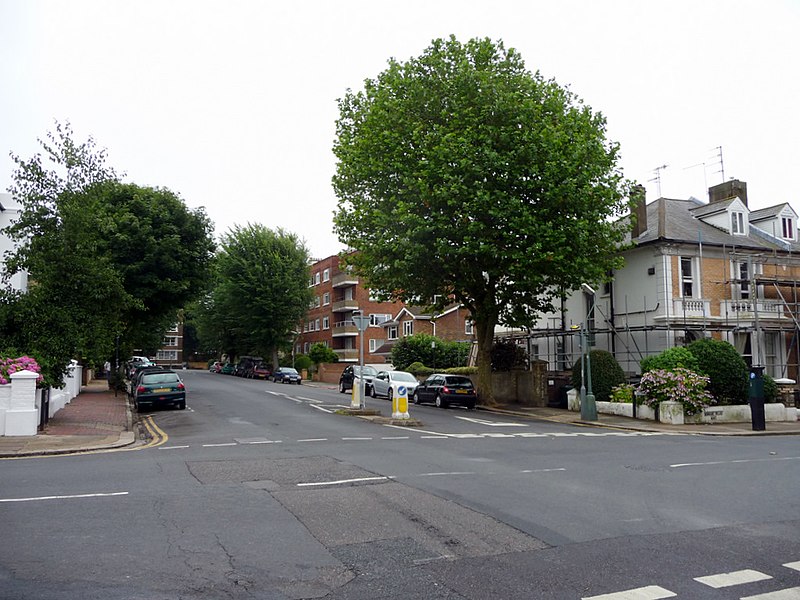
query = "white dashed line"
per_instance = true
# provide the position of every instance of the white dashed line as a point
(787, 594)
(219, 445)
(542, 470)
(314, 440)
(356, 439)
(447, 473)
(793, 565)
(70, 497)
(722, 580)
(733, 462)
(396, 437)
(172, 447)
(320, 408)
(651, 592)
(343, 481)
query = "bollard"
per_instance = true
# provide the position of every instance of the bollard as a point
(757, 398)
(400, 403)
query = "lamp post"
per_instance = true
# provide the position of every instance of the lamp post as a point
(361, 322)
(588, 404)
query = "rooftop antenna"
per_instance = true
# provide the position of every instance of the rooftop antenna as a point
(721, 164)
(657, 178)
(700, 164)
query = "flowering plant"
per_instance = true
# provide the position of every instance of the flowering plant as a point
(677, 385)
(12, 365)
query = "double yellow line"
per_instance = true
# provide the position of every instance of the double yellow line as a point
(157, 435)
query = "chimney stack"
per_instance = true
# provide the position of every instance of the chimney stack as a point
(638, 210)
(727, 190)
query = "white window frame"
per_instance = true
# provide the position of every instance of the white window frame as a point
(167, 355)
(737, 223)
(378, 319)
(787, 228)
(326, 298)
(391, 332)
(469, 327)
(326, 275)
(326, 323)
(375, 344)
(316, 278)
(316, 325)
(691, 279)
(408, 328)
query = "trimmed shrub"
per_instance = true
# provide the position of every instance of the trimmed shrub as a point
(417, 369)
(606, 373)
(429, 350)
(770, 389)
(302, 362)
(622, 393)
(671, 359)
(507, 355)
(724, 367)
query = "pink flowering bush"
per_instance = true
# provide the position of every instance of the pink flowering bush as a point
(12, 365)
(676, 385)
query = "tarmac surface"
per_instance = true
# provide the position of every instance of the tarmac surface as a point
(99, 419)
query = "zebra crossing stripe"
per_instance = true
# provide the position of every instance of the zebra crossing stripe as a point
(787, 594)
(651, 592)
(793, 565)
(733, 578)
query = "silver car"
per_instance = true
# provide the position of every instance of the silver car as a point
(386, 384)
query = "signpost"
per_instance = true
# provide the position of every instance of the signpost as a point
(361, 322)
(400, 403)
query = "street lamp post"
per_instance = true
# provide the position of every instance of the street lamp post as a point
(588, 404)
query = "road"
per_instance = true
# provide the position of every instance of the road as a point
(261, 490)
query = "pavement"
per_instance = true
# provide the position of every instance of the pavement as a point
(99, 419)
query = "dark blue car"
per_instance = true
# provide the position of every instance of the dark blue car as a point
(286, 375)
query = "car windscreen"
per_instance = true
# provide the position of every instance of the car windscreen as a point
(458, 382)
(402, 376)
(153, 378)
(289, 371)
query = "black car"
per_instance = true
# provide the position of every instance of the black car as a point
(444, 390)
(352, 373)
(286, 375)
(159, 388)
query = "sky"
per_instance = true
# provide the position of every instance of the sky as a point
(233, 104)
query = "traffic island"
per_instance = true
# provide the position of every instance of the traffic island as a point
(375, 416)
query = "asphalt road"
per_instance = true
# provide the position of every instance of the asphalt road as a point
(260, 490)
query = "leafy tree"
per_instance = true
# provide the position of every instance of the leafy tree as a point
(463, 175)
(506, 355)
(320, 353)
(261, 289)
(108, 263)
(725, 367)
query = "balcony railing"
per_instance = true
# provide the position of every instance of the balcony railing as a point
(691, 308)
(344, 280)
(344, 305)
(344, 328)
(346, 353)
(746, 309)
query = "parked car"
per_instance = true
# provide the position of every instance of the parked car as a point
(215, 367)
(444, 390)
(245, 365)
(227, 369)
(159, 388)
(386, 383)
(286, 375)
(260, 371)
(135, 374)
(352, 373)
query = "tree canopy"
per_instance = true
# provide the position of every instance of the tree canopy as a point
(260, 293)
(461, 174)
(107, 261)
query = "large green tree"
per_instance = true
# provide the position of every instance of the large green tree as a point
(108, 262)
(462, 175)
(261, 291)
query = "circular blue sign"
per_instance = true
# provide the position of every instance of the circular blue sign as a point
(401, 389)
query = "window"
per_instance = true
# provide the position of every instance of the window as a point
(737, 223)
(316, 325)
(326, 298)
(391, 332)
(305, 348)
(408, 328)
(326, 275)
(316, 278)
(170, 341)
(375, 344)
(167, 355)
(687, 277)
(305, 327)
(316, 302)
(173, 329)
(379, 319)
(787, 228)
(469, 327)
(326, 323)
(742, 274)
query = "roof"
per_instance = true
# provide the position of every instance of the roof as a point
(770, 212)
(680, 222)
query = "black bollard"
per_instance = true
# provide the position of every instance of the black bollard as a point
(757, 398)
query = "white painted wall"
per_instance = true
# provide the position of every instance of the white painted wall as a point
(7, 216)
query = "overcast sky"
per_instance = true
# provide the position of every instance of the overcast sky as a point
(232, 104)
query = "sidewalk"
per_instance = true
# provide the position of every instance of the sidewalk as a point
(96, 420)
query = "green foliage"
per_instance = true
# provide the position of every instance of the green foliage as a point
(725, 368)
(260, 292)
(770, 389)
(120, 259)
(677, 385)
(507, 355)
(429, 350)
(464, 155)
(303, 362)
(606, 373)
(623, 392)
(320, 353)
(462, 371)
(418, 369)
(670, 359)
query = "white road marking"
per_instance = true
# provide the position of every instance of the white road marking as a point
(492, 423)
(651, 592)
(343, 481)
(787, 594)
(793, 565)
(438, 436)
(69, 497)
(320, 408)
(542, 470)
(264, 442)
(733, 462)
(447, 473)
(395, 437)
(308, 399)
(171, 447)
(353, 439)
(314, 440)
(722, 580)
(219, 445)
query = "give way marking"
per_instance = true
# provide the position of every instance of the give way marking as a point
(491, 423)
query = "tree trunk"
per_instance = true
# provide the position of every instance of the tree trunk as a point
(484, 327)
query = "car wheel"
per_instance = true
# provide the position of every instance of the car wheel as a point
(471, 406)
(182, 405)
(439, 402)
(342, 389)
(415, 398)
(374, 394)
(390, 394)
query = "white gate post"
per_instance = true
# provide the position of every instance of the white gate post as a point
(22, 418)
